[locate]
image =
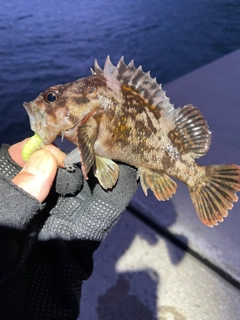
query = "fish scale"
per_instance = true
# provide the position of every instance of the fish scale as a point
(120, 113)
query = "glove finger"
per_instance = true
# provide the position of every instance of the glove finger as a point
(122, 192)
(8, 167)
(68, 182)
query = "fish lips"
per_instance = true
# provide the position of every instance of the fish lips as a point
(38, 123)
(31, 116)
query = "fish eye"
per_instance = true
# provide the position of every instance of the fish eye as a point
(51, 96)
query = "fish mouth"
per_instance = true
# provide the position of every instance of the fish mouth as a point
(27, 107)
(38, 122)
(32, 115)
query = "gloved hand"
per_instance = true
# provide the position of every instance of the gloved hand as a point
(59, 239)
(90, 213)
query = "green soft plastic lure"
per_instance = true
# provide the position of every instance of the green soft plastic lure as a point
(33, 144)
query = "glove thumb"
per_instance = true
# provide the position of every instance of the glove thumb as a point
(37, 175)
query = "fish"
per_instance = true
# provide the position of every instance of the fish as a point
(120, 113)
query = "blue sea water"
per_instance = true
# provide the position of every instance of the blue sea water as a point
(43, 43)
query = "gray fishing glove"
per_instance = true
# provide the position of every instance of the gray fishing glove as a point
(54, 242)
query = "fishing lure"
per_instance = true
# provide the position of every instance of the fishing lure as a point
(33, 144)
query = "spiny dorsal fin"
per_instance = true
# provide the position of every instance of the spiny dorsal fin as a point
(191, 134)
(97, 69)
(138, 80)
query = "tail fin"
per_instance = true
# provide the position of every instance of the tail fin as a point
(214, 196)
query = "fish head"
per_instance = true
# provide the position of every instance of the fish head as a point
(60, 109)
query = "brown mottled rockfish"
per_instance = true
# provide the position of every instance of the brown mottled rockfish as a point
(120, 113)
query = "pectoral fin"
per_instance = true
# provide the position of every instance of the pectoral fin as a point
(191, 134)
(86, 138)
(106, 171)
(161, 184)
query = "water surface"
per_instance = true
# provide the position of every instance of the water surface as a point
(43, 43)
